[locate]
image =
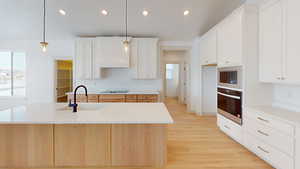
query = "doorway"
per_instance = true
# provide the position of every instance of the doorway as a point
(64, 79)
(172, 80)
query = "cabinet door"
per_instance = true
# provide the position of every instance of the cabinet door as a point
(82, 145)
(109, 52)
(26, 146)
(145, 55)
(271, 41)
(208, 48)
(139, 145)
(292, 58)
(230, 40)
(83, 58)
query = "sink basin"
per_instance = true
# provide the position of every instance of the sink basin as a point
(81, 107)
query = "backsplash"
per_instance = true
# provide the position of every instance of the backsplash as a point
(120, 79)
(287, 96)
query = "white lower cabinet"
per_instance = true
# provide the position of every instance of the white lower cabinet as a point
(268, 153)
(230, 128)
(270, 138)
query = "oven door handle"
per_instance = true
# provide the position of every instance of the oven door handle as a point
(231, 96)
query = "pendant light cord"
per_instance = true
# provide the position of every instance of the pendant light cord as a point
(44, 23)
(126, 19)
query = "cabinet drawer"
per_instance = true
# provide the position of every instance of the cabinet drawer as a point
(93, 98)
(148, 101)
(271, 155)
(230, 128)
(112, 98)
(147, 97)
(271, 136)
(131, 98)
(264, 119)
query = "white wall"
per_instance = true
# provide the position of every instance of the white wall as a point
(287, 96)
(195, 82)
(39, 65)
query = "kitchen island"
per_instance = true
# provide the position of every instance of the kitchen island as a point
(107, 134)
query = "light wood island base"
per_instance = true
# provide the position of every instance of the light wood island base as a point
(82, 145)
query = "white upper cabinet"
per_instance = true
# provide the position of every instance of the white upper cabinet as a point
(229, 41)
(279, 36)
(83, 58)
(144, 58)
(271, 41)
(110, 53)
(291, 67)
(208, 48)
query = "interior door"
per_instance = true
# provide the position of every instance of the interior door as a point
(271, 41)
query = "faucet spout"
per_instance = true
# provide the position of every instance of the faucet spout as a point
(75, 105)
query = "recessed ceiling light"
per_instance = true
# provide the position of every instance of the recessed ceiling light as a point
(145, 12)
(62, 12)
(186, 12)
(104, 12)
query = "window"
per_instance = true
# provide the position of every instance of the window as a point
(169, 71)
(12, 74)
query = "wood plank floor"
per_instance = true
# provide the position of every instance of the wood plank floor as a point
(195, 142)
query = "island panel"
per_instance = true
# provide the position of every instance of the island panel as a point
(139, 145)
(26, 145)
(82, 145)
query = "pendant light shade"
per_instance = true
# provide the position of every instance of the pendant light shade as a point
(44, 44)
(126, 42)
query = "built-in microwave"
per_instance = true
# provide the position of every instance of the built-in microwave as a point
(230, 77)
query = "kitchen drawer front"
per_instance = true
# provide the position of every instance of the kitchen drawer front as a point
(112, 98)
(131, 98)
(148, 97)
(148, 101)
(230, 128)
(271, 155)
(271, 136)
(93, 98)
(261, 118)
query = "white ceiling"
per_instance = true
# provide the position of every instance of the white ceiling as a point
(22, 19)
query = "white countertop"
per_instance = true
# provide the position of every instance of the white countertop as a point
(88, 113)
(288, 116)
(129, 92)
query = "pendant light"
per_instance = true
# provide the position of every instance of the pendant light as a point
(126, 42)
(44, 44)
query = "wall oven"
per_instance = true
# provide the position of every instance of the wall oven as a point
(230, 104)
(230, 77)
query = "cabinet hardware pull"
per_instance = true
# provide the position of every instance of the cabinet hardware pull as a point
(263, 133)
(279, 78)
(259, 147)
(261, 119)
(227, 127)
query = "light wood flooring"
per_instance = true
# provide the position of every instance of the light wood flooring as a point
(195, 142)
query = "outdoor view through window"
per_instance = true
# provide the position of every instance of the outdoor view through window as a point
(12, 74)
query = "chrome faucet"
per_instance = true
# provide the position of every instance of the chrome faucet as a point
(75, 105)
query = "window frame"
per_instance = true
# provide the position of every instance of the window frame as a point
(12, 96)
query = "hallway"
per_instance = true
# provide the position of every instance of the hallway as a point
(195, 142)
